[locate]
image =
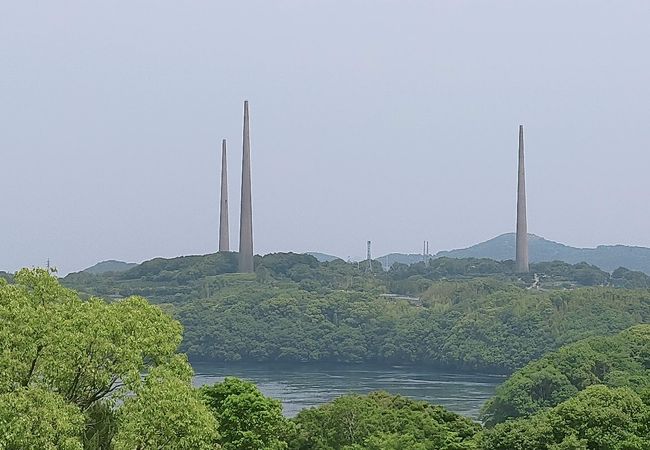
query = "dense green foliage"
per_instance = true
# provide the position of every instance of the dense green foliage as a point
(82, 350)
(621, 360)
(188, 278)
(84, 374)
(38, 419)
(166, 412)
(248, 419)
(484, 325)
(178, 280)
(557, 274)
(462, 313)
(630, 279)
(66, 362)
(598, 418)
(380, 420)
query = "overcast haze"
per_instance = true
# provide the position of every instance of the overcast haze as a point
(390, 121)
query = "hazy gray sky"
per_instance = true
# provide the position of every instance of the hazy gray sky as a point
(394, 121)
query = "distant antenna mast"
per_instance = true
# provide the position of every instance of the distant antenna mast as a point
(50, 268)
(369, 257)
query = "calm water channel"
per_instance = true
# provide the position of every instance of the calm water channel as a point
(303, 386)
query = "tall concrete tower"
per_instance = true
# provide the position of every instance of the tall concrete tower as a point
(369, 258)
(246, 213)
(224, 235)
(521, 260)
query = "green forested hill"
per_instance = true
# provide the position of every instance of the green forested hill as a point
(616, 361)
(470, 314)
(177, 280)
(95, 375)
(322, 257)
(110, 266)
(592, 394)
(471, 325)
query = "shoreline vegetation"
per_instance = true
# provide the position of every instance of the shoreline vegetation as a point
(89, 374)
(328, 365)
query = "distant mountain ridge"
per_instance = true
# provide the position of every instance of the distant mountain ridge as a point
(109, 266)
(322, 257)
(607, 257)
(502, 248)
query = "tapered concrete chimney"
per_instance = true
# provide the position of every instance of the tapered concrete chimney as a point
(246, 214)
(224, 235)
(521, 259)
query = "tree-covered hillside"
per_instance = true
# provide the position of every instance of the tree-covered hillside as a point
(470, 325)
(177, 280)
(87, 374)
(616, 361)
(592, 394)
(110, 266)
(469, 314)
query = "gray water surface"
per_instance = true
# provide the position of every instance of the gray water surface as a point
(304, 386)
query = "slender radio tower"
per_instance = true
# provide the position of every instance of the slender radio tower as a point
(224, 236)
(246, 213)
(521, 259)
